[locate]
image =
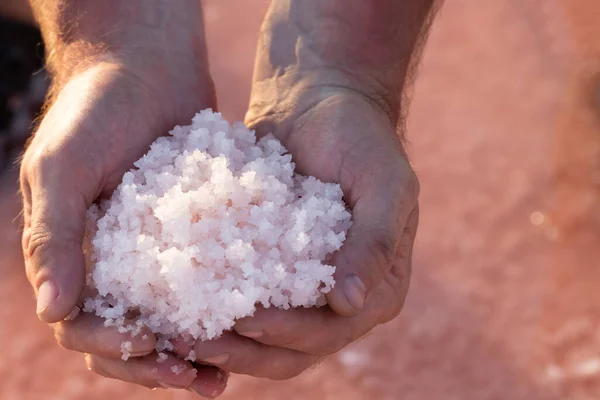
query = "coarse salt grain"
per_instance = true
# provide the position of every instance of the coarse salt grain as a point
(210, 223)
(73, 314)
(162, 357)
(177, 369)
(191, 356)
(126, 348)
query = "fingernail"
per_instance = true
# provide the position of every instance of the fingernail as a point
(201, 389)
(203, 393)
(47, 293)
(165, 385)
(217, 360)
(139, 353)
(355, 291)
(251, 334)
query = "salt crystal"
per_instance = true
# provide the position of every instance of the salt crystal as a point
(177, 369)
(126, 348)
(73, 314)
(162, 357)
(209, 223)
(191, 356)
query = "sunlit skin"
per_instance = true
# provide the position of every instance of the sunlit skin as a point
(335, 104)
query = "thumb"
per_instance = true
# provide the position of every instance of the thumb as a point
(369, 251)
(53, 234)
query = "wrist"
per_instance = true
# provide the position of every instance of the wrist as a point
(159, 43)
(309, 47)
(279, 100)
(355, 47)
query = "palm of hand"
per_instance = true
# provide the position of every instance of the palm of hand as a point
(101, 122)
(347, 139)
(344, 139)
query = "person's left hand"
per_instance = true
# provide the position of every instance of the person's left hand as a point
(337, 135)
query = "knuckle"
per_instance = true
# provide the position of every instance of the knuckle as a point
(345, 334)
(332, 345)
(94, 365)
(413, 185)
(36, 159)
(404, 250)
(37, 241)
(24, 171)
(393, 311)
(287, 368)
(284, 374)
(408, 188)
(62, 336)
(245, 364)
(391, 301)
(277, 328)
(382, 248)
(28, 161)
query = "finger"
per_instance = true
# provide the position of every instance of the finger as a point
(315, 331)
(321, 331)
(397, 281)
(147, 371)
(52, 240)
(88, 334)
(379, 217)
(402, 266)
(210, 381)
(241, 355)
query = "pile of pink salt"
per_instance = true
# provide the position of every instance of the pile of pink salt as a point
(207, 225)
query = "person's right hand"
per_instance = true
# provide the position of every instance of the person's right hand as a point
(101, 120)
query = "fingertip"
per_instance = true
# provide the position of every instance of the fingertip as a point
(144, 343)
(210, 382)
(177, 372)
(52, 305)
(348, 297)
(182, 347)
(58, 288)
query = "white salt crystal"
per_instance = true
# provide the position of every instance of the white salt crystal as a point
(192, 356)
(177, 369)
(126, 348)
(164, 344)
(73, 314)
(162, 357)
(210, 223)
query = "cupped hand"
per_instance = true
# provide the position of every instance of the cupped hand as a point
(337, 135)
(100, 122)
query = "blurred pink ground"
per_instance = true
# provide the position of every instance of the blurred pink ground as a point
(505, 136)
